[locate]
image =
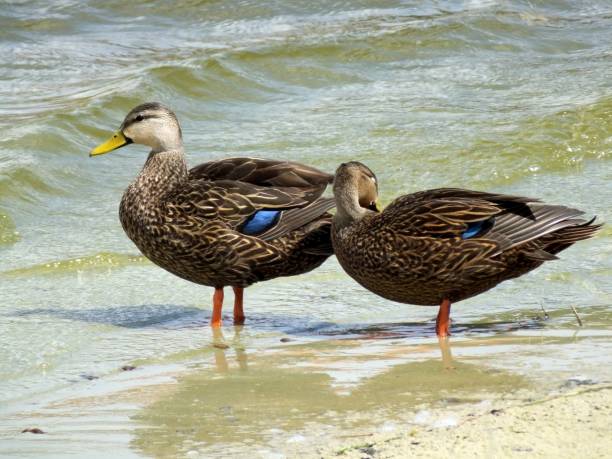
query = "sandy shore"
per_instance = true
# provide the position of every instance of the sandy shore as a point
(576, 423)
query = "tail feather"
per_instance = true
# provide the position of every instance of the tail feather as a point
(563, 238)
(558, 224)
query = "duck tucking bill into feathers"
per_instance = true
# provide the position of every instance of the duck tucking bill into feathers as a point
(440, 246)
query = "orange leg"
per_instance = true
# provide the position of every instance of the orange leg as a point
(443, 319)
(215, 321)
(238, 306)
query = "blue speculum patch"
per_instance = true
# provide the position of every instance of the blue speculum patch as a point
(473, 229)
(261, 221)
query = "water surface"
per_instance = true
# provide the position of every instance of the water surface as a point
(506, 96)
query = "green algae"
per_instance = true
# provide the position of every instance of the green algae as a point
(101, 261)
(8, 231)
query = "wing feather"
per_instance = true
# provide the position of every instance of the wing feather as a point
(516, 220)
(295, 218)
(233, 189)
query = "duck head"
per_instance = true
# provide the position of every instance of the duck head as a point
(355, 190)
(151, 124)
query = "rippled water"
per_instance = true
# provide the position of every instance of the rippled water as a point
(507, 96)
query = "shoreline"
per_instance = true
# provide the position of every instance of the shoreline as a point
(573, 423)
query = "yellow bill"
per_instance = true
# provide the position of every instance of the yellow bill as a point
(116, 141)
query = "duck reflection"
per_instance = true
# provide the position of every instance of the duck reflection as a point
(302, 384)
(445, 351)
(220, 347)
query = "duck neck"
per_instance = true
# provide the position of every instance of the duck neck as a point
(348, 210)
(162, 172)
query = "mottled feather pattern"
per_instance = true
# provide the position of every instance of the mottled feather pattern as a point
(188, 222)
(271, 173)
(413, 252)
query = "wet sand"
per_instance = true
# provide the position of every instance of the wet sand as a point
(572, 423)
(294, 400)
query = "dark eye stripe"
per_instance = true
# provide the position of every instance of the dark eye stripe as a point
(139, 118)
(145, 117)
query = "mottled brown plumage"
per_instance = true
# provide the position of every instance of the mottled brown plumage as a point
(190, 222)
(416, 250)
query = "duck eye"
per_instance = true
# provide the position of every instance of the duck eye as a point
(139, 118)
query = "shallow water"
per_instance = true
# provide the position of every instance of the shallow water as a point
(505, 96)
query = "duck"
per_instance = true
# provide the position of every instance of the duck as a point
(441, 246)
(225, 223)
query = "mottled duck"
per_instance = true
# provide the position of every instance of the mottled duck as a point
(231, 222)
(437, 247)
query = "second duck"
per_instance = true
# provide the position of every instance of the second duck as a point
(441, 246)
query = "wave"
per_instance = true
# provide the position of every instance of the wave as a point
(562, 141)
(421, 87)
